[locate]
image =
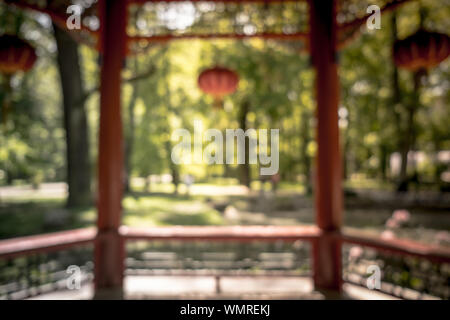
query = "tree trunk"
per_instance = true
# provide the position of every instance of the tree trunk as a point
(75, 121)
(245, 178)
(383, 162)
(401, 133)
(129, 138)
(174, 169)
(305, 136)
(410, 133)
(148, 184)
(175, 177)
(227, 172)
(406, 146)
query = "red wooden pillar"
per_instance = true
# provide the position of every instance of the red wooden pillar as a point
(328, 191)
(109, 248)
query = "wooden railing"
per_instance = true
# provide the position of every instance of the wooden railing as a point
(219, 233)
(397, 246)
(46, 244)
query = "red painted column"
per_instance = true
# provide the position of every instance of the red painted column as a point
(328, 190)
(109, 247)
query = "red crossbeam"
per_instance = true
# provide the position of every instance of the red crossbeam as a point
(219, 1)
(222, 233)
(265, 35)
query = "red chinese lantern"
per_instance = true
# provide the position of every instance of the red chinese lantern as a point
(218, 82)
(15, 55)
(422, 50)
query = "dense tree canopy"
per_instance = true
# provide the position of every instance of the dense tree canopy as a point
(276, 85)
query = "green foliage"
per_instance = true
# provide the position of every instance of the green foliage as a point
(275, 79)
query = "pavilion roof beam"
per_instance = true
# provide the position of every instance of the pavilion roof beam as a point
(357, 23)
(57, 19)
(218, 1)
(302, 36)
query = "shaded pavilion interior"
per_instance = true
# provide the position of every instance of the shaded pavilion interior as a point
(325, 26)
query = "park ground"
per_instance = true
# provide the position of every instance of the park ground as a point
(25, 210)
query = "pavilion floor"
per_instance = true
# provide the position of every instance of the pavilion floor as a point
(205, 287)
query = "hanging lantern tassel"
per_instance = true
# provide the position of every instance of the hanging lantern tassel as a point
(218, 82)
(218, 102)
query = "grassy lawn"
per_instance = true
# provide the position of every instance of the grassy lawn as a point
(168, 210)
(33, 216)
(34, 212)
